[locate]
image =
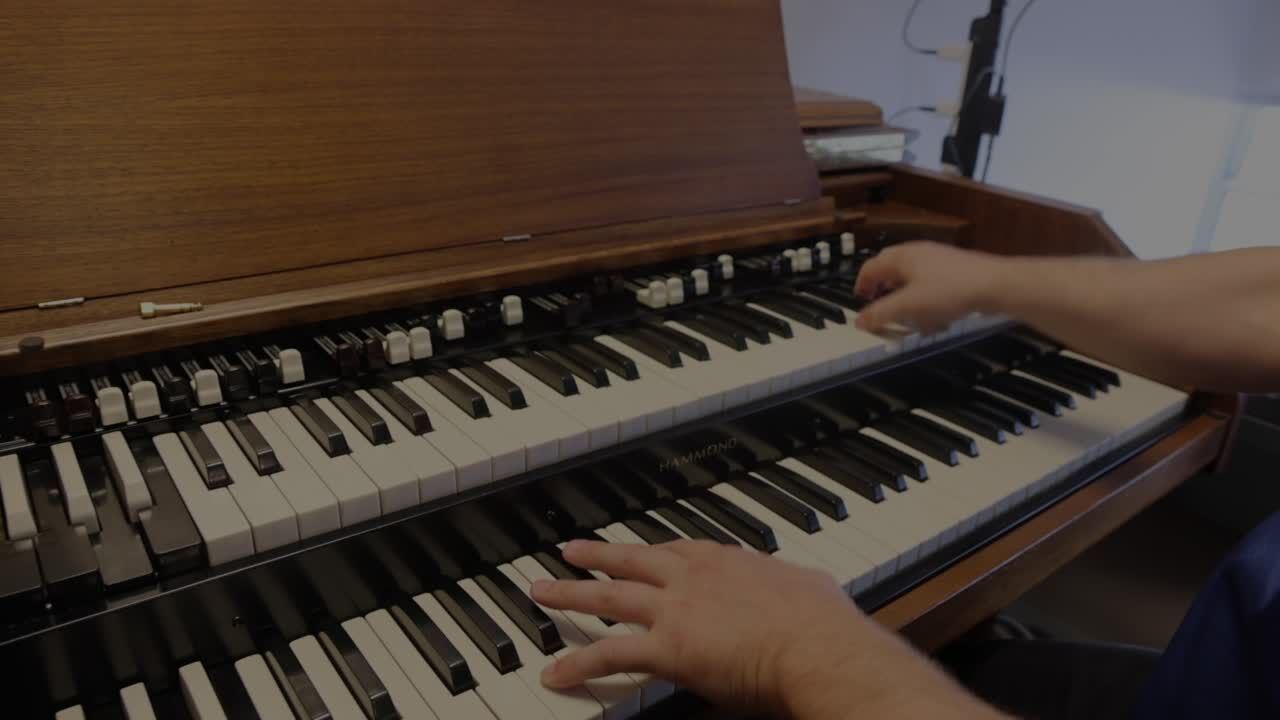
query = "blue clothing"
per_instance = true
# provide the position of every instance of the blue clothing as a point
(1224, 661)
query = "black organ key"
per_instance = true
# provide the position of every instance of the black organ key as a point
(483, 631)
(205, 457)
(262, 368)
(736, 520)
(990, 402)
(345, 355)
(548, 371)
(434, 646)
(255, 447)
(806, 490)
(1062, 378)
(1026, 393)
(403, 408)
(67, 561)
(840, 471)
(321, 427)
(865, 467)
(357, 411)
(459, 393)
(1002, 420)
(122, 558)
(493, 382)
(579, 363)
(617, 363)
(298, 689)
(694, 525)
(781, 504)
(553, 561)
(958, 440)
(170, 534)
(914, 438)
(973, 422)
(836, 297)
(231, 692)
(523, 611)
(1102, 376)
(794, 311)
(721, 332)
(687, 345)
(760, 323)
(365, 685)
(367, 349)
(649, 530)
(659, 349)
(175, 391)
(825, 309)
(42, 412)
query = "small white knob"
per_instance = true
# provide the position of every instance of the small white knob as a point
(701, 282)
(144, 399)
(823, 251)
(207, 388)
(150, 309)
(644, 297)
(396, 348)
(657, 294)
(111, 406)
(804, 260)
(675, 291)
(290, 366)
(420, 343)
(726, 266)
(848, 244)
(451, 324)
(512, 310)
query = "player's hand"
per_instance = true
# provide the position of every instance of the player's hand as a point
(926, 286)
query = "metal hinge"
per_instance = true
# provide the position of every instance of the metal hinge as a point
(55, 304)
(517, 238)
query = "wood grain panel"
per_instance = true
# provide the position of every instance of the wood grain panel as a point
(159, 143)
(108, 328)
(821, 110)
(946, 606)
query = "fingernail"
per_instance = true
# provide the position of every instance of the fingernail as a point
(573, 546)
(549, 674)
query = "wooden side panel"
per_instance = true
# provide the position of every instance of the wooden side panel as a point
(160, 143)
(946, 606)
(1008, 222)
(821, 110)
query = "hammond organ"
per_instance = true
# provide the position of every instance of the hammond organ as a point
(475, 279)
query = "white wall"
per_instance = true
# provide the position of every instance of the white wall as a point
(1125, 106)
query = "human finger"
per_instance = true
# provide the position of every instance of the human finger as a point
(612, 655)
(653, 565)
(621, 600)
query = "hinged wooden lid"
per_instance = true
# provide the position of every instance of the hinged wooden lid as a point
(152, 144)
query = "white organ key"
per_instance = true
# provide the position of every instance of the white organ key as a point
(312, 501)
(223, 528)
(472, 466)
(273, 520)
(541, 444)
(207, 388)
(451, 324)
(574, 704)
(586, 407)
(262, 689)
(655, 383)
(437, 477)
(404, 695)
(745, 369)
(74, 712)
(75, 495)
(505, 695)
(111, 406)
(512, 310)
(18, 518)
(658, 295)
(328, 684)
(506, 452)
(646, 403)
(675, 291)
(446, 705)
(290, 366)
(144, 399)
(706, 390)
(620, 693)
(701, 282)
(397, 348)
(420, 343)
(945, 512)
(357, 496)
(397, 487)
(132, 489)
(202, 701)
(136, 703)
(542, 423)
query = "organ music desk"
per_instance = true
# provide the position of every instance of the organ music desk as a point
(478, 277)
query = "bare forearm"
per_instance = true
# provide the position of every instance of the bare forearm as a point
(1209, 321)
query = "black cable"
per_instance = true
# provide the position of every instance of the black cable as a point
(906, 28)
(1008, 42)
(986, 164)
